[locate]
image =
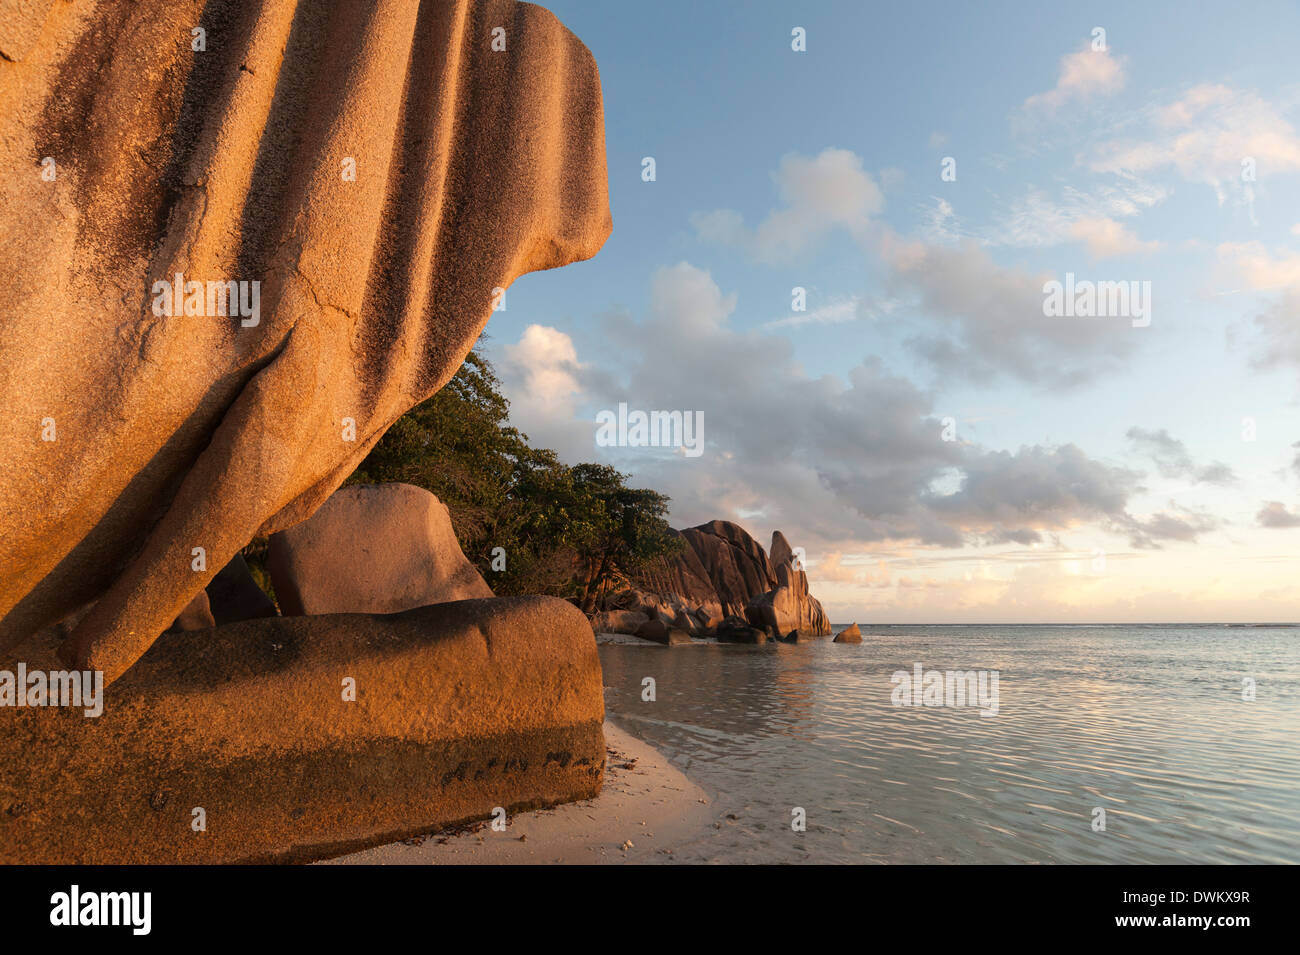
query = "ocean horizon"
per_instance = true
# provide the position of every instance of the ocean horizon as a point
(1144, 722)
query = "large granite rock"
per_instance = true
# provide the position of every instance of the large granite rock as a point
(735, 562)
(680, 579)
(789, 606)
(671, 608)
(780, 552)
(459, 708)
(375, 172)
(372, 548)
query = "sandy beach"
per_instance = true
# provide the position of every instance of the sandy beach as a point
(645, 813)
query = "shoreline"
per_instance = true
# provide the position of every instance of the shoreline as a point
(644, 801)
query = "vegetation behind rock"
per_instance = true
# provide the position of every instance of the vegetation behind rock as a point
(563, 531)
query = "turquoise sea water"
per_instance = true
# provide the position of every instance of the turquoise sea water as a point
(1147, 723)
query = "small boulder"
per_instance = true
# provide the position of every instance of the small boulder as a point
(733, 630)
(372, 548)
(850, 634)
(660, 632)
(618, 621)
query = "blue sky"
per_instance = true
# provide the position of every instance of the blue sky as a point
(1101, 471)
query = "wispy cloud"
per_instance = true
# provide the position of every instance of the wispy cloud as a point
(1173, 460)
(1037, 219)
(837, 312)
(1213, 134)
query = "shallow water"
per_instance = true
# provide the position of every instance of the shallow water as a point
(1147, 723)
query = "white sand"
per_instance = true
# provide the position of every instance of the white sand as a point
(651, 804)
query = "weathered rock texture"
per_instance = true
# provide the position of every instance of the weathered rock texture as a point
(132, 438)
(736, 563)
(460, 708)
(372, 548)
(789, 606)
(683, 577)
(721, 573)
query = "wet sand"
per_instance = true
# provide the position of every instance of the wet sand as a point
(646, 812)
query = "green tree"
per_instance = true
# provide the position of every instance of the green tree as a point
(617, 530)
(564, 531)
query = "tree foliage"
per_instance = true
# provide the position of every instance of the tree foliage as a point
(564, 531)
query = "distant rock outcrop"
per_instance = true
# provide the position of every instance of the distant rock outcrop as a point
(724, 580)
(231, 265)
(372, 548)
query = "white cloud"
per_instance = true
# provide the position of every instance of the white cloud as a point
(1259, 269)
(828, 459)
(1084, 75)
(541, 377)
(820, 193)
(1105, 238)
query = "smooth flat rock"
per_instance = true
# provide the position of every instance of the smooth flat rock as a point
(372, 548)
(460, 708)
